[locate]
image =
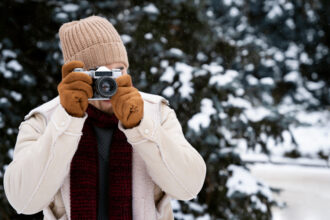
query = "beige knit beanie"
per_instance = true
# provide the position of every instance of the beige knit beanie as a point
(92, 40)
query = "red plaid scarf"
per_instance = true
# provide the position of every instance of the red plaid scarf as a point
(84, 171)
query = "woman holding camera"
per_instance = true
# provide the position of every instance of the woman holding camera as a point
(121, 158)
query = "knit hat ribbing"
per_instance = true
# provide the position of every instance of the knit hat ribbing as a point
(92, 40)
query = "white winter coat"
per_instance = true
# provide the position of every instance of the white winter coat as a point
(165, 165)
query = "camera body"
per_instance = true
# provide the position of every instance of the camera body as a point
(104, 83)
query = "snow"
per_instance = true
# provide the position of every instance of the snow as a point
(169, 91)
(242, 181)
(148, 36)
(256, 158)
(13, 64)
(184, 216)
(70, 7)
(176, 52)
(163, 40)
(11, 153)
(310, 35)
(292, 51)
(175, 204)
(275, 12)
(27, 79)
(233, 12)
(164, 63)
(151, 9)
(267, 81)
(8, 53)
(286, 106)
(279, 149)
(267, 62)
(227, 2)
(126, 38)
(271, 51)
(311, 16)
(209, 13)
(204, 217)
(267, 97)
(10, 131)
(185, 76)
(62, 16)
(200, 72)
(248, 39)
(213, 68)
(249, 67)
(245, 52)
(196, 207)
(279, 56)
(153, 70)
(201, 56)
(239, 2)
(223, 79)
(257, 114)
(207, 106)
(177, 211)
(322, 49)
(3, 100)
(252, 80)
(304, 95)
(226, 133)
(290, 23)
(292, 64)
(239, 92)
(312, 139)
(17, 96)
(306, 190)
(120, 16)
(305, 59)
(292, 76)
(237, 102)
(7, 74)
(314, 118)
(315, 85)
(288, 6)
(168, 75)
(202, 118)
(262, 207)
(241, 27)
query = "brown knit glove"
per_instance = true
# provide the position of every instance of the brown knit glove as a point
(75, 89)
(127, 103)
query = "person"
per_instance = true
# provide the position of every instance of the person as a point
(123, 158)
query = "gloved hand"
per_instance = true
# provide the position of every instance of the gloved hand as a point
(75, 89)
(127, 103)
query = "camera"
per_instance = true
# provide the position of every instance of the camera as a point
(104, 83)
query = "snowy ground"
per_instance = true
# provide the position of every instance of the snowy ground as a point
(306, 190)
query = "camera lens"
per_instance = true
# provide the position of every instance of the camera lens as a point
(106, 86)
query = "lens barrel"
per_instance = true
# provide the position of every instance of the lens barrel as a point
(106, 86)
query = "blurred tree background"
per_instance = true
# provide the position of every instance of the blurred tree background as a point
(236, 72)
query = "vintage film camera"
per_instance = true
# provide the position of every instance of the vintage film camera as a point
(104, 83)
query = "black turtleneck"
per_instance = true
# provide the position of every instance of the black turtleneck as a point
(103, 137)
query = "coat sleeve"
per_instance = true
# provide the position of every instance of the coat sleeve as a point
(173, 164)
(42, 157)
